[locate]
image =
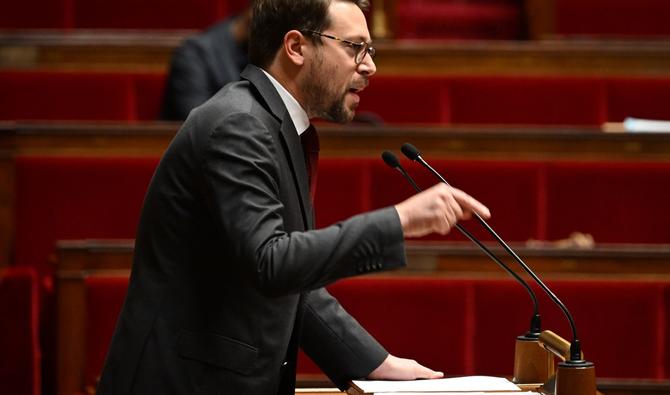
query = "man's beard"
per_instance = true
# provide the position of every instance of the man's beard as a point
(321, 97)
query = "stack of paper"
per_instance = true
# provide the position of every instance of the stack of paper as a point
(646, 125)
(471, 385)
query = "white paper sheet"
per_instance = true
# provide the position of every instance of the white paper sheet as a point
(460, 393)
(646, 125)
(456, 384)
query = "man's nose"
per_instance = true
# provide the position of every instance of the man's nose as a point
(367, 66)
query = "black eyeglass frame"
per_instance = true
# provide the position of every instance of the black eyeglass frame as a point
(361, 48)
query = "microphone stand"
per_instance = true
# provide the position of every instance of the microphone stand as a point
(575, 376)
(532, 364)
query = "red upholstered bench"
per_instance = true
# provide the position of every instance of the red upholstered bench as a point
(615, 202)
(480, 19)
(408, 100)
(125, 14)
(619, 202)
(464, 326)
(422, 318)
(104, 299)
(494, 100)
(512, 190)
(527, 100)
(64, 95)
(616, 321)
(343, 189)
(637, 97)
(540, 100)
(20, 355)
(61, 198)
(79, 95)
(612, 18)
(36, 14)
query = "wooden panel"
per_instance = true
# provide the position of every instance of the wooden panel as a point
(623, 261)
(523, 142)
(76, 260)
(603, 261)
(144, 51)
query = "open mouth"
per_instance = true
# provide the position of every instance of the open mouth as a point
(358, 87)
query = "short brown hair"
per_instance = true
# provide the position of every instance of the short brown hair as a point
(272, 19)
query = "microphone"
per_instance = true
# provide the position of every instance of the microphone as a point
(575, 357)
(535, 323)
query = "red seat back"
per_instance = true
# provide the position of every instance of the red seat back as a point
(74, 198)
(104, 299)
(613, 18)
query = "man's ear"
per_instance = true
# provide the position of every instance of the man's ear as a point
(295, 46)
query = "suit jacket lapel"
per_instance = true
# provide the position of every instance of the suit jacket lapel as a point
(289, 135)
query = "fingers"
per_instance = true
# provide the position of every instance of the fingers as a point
(422, 372)
(470, 204)
(437, 209)
(394, 368)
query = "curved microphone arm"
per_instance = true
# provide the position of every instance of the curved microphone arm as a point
(575, 349)
(535, 324)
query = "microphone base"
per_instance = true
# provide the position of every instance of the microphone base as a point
(532, 363)
(572, 378)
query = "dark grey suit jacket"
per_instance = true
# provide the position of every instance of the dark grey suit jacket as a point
(201, 66)
(226, 281)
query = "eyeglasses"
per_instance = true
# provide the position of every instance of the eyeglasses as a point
(361, 48)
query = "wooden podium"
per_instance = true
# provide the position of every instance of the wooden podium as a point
(534, 359)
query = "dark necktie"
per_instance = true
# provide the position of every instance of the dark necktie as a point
(310, 146)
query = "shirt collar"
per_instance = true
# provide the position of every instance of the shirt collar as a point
(295, 111)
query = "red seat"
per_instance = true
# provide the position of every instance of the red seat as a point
(466, 326)
(80, 95)
(411, 317)
(408, 100)
(619, 202)
(482, 19)
(343, 189)
(527, 100)
(36, 14)
(58, 95)
(512, 190)
(125, 14)
(148, 93)
(74, 198)
(638, 97)
(622, 18)
(109, 292)
(20, 358)
(615, 320)
(147, 14)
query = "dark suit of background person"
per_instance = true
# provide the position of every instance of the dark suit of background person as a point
(218, 288)
(202, 65)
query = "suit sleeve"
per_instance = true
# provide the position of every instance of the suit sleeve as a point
(242, 181)
(341, 347)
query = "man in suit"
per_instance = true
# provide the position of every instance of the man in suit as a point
(203, 64)
(228, 275)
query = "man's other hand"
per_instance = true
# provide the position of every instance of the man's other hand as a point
(394, 368)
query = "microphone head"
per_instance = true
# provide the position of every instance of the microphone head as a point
(410, 151)
(390, 159)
